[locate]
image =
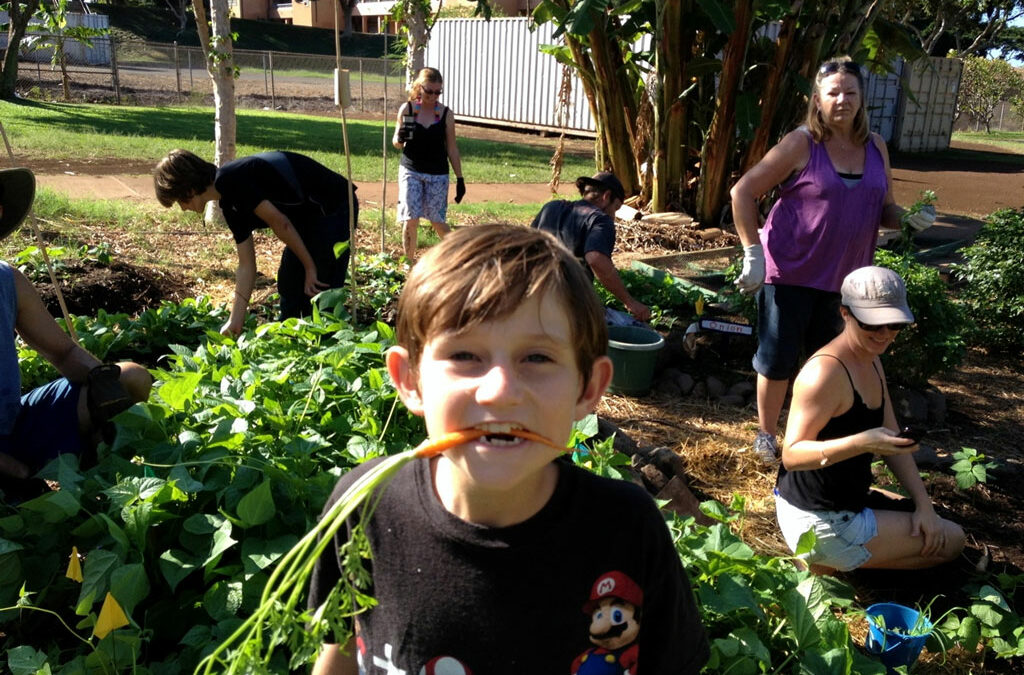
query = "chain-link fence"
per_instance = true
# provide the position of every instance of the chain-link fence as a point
(1004, 118)
(150, 73)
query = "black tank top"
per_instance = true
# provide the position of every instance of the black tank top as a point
(842, 486)
(427, 150)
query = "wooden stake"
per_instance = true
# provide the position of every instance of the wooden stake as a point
(348, 169)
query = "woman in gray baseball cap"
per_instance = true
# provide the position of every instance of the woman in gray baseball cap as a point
(840, 418)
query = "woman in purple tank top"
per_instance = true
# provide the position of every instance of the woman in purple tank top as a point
(835, 191)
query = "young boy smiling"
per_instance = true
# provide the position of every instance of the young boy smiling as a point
(497, 556)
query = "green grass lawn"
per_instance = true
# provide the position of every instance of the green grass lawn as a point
(86, 131)
(1011, 141)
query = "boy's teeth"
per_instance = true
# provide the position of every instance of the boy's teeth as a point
(497, 428)
(502, 440)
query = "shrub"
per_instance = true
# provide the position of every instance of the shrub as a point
(993, 292)
(934, 343)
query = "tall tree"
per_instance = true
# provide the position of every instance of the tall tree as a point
(179, 8)
(718, 90)
(220, 64)
(54, 33)
(963, 26)
(984, 84)
(347, 7)
(19, 12)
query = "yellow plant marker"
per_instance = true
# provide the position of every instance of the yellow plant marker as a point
(74, 566)
(111, 618)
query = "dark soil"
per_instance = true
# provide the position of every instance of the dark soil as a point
(118, 288)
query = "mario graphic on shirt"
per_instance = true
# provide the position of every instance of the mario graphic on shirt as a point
(614, 607)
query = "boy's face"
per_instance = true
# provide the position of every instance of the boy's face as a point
(518, 371)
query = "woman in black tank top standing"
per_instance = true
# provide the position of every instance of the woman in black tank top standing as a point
(840, 417)
(425, 133)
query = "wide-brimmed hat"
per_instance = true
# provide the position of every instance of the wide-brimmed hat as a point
(605, 180)
(17, 190)
(876, 296)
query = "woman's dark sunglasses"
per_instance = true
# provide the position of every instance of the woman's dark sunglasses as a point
(831, 67)
(894, 327)
(433, 92)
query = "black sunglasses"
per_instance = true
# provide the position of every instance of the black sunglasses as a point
(830, 67)
(433, 92)
(894, 327)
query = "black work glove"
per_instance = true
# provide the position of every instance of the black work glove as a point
(460, 189)
(106, 396)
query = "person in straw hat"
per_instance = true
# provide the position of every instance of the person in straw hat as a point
(841, 418)
(68, 414)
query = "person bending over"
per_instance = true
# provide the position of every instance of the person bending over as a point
(587, 228)
(305, 204)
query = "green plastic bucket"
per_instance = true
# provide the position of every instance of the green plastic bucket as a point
(634, 353)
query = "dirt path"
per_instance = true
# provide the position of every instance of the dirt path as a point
(967, 189)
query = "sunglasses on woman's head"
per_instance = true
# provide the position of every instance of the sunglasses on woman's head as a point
(832, 67)
(894, 327)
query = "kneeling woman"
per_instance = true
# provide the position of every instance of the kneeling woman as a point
(840, 417)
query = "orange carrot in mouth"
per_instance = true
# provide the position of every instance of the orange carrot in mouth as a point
(432, 447)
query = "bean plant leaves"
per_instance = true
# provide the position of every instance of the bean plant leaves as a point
(96, 571)
(9, 546)
(175, 565)
(130, 585)
(257, 507)
(25, 660)
(179, 390)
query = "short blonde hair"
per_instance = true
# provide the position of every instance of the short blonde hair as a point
(815, 123)
(485, 272)
(432, 75)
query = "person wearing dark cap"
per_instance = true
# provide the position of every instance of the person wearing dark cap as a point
(68, 414)
(840, 418)
(587, 228)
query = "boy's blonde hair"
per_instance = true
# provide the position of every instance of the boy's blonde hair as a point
(486, 272)
(814, 121)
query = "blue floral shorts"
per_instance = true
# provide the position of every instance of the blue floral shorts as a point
(422, 195)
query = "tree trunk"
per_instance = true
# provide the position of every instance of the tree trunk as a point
(616, 106)
(766, 131)
(220, 66)
(416, 27)
(19, 15)
(716, 155)
(223, 74)
(675, 39)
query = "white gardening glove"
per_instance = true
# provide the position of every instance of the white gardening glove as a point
(752, 276)
(923, 219)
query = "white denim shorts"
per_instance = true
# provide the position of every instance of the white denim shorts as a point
(841, 535)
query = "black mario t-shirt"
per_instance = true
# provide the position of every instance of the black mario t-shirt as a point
(521, 599)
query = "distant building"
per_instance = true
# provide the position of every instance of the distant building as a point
(373, 16)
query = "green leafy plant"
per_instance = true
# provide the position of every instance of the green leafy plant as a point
(934, 343)
(970, 468)
(668, 299)
(762, 614)
(906, 242)
(989, 621)
(992, 283)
